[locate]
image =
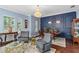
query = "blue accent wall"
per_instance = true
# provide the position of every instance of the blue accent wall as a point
(64, 26)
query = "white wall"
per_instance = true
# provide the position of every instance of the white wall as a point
(16, 16)
(31, 24)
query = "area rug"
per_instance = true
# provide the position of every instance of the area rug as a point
(28, 48)
(35, 50)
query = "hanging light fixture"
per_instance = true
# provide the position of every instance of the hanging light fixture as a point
(37, 12)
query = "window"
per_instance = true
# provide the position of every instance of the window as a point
(8, 23)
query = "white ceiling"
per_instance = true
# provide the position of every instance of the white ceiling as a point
(46, 10)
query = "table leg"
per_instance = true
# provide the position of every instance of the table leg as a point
(5, 37)
(15, 37)
(1, 40)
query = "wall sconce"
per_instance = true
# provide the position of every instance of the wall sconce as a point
(49, 22)
(58, 21)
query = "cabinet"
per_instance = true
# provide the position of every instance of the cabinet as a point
(75, 30)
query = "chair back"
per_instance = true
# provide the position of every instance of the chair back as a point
(47, 37)
(24, 34)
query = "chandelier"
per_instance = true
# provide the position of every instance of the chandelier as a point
(37, 12)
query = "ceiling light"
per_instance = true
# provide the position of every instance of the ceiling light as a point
(37, 12)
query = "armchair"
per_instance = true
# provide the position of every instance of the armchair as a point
(23, 36)
(44, 44)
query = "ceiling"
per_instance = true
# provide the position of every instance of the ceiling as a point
(46, 10)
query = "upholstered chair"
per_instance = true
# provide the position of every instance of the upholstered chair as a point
(44, 44)
(23, 36)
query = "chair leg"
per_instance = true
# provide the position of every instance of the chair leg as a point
(1, 40)
(54, 39)
(46, 51)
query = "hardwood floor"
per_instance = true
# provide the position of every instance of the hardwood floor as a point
(69, 49)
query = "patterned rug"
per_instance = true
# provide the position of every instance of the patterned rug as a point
(28, 48)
